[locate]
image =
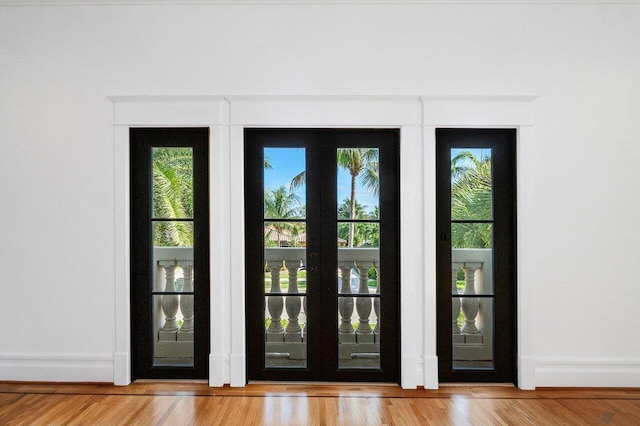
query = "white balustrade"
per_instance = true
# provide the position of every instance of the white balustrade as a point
(275, 332)
(363, 304)
(345, 304)
(186, 301)
(174, 340)
(170, 302)
(293, 332)
(173, 262)
(455, 305)
(474, 340)
(376, 301)
(292, 307)
(470, 304)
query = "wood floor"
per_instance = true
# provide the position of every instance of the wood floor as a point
(172, 403)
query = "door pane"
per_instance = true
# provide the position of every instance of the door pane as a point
(358, 242)
(472, 333)
(285, 257)
(172, 241)
(169, 266)
(472, 258)
(471, 184)
(172, 182)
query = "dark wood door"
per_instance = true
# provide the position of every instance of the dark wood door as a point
(476, 254)
(169, 171)
(322, 276)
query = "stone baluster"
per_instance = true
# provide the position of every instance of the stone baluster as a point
(293, 332)
(345, 305)
(376, 301)
(363, 306)
(170, 302)
(455, 305)
(186, 300)
(470, 304)
(275, 304)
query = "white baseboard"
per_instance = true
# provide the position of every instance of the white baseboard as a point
(237, 370)
(430, 372)
(121, 369)
(57, 367)
(217, 369)
(409, 377)
(587, 372)
(526, 372)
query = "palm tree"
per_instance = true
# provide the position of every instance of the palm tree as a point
(364, 232)
(173, 196)
(359, 161)
(471, 199)
(281, 203)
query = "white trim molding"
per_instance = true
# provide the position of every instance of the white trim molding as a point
(587, 372)
(163, 111)
(484, 112)
(62, 3)
(417, 117)
(57, 367)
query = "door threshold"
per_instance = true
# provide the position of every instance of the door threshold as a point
(474, 384)
(277, 383)
(191, 381)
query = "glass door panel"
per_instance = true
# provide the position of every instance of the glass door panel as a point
(169, 246)
(285, 240)
(475, 200)
(358, 222)
(315, 314)
(471, 256)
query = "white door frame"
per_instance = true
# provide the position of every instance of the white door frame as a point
(417, 117)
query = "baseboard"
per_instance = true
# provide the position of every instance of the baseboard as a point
(430, 372)
(121, 369)
(57, 367)
(526, 372)
(587, 372)
(409, 377)
(237, 370)
(216, 370)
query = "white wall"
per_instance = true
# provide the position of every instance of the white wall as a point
(59, 65)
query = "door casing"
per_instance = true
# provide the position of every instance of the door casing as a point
(417, 118)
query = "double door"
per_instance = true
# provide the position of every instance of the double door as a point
(321, 241)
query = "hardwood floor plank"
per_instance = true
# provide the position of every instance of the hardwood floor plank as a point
(171, 403)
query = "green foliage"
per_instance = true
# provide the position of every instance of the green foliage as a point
(361, 162)
(471, 199)
(281, 203)
(365, 233)
(173, 196)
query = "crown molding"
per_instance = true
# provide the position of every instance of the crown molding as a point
(63, 3)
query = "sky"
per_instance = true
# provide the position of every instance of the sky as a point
(479, 153)
(286, 163)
